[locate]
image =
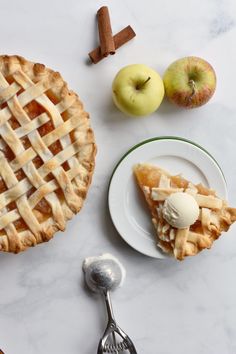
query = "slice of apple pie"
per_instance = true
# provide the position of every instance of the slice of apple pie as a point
(187, 217)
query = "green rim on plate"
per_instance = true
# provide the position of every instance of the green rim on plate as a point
(165, 137)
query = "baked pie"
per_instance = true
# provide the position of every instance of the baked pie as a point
(47, 153)
(182, 230)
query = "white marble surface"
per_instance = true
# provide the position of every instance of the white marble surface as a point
(165, 306)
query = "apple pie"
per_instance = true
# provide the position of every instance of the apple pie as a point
(47, 153)
(214, 215)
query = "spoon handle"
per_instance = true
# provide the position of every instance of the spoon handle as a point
(111, 329)
(110, 313)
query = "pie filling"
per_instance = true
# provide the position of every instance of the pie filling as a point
(33, 110)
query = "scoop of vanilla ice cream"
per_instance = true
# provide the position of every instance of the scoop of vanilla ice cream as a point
(180, 210)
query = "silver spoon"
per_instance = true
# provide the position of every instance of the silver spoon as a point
(103, 274)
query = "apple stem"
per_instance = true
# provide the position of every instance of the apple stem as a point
(138, 87)
(193, 87)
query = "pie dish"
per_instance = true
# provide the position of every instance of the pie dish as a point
(47, 153)
(215, 216)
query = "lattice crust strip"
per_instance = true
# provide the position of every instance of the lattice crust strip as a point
(49, 168)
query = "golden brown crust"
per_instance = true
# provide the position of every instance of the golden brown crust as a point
(47, 153)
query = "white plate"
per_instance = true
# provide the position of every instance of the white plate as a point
(127, 206)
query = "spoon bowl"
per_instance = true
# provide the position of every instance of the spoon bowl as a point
(103, 275)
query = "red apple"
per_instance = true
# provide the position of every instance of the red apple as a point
(190, 82)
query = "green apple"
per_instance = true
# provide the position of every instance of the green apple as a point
(190, 82)
(137, 90)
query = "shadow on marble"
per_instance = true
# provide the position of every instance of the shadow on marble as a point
(88, 61)
(112, 113)
(100, 304)
(168, 108)
(95, 42)
(6, 256)
(110, 233)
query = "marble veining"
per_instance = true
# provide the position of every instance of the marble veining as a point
(167, 307)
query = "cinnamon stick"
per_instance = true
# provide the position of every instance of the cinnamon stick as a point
(120, 38)
(105, 32)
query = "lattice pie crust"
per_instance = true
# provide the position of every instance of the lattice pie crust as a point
(47, 153)
(215, 216)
